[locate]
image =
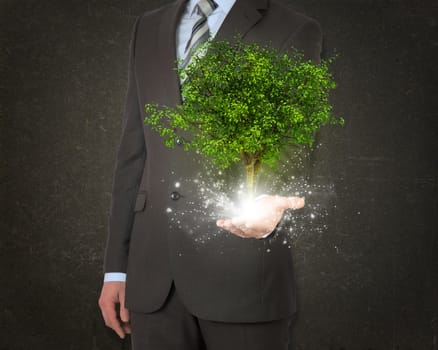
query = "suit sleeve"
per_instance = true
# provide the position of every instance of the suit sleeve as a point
(308, 40)
(129, 167)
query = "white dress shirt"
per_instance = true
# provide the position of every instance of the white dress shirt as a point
(189, 19)
(183, 34)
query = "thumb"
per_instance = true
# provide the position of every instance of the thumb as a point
(296, 202)
(282, 203)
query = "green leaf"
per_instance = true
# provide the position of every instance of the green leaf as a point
(247, 99)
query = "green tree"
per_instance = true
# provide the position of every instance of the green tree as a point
(244, 102)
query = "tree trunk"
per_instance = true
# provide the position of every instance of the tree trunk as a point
(252, 166)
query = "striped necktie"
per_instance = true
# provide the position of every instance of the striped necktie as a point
(200, 30)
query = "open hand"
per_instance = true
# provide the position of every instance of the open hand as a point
(261, 216)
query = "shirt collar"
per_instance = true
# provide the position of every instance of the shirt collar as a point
(223, 5)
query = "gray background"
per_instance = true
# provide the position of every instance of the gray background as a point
(368, 281)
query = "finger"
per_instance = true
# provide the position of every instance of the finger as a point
(237, 231)
(278, 202)
(228, 225)
(251, 233)
(238, 221)
(239, 227)
(124, 313)
(110, 317)
(127, 328)
(295, 202)
(259, 229)
(233, 229)
(223, 223)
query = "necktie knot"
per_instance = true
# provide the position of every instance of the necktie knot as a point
(205, 7)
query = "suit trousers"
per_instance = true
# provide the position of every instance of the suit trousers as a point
(173, 327)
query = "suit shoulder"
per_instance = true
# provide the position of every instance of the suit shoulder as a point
(154, 13)
(148, 21)
(299, 18)
(158, 10)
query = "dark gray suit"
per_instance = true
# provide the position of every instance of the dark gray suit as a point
(228, 278)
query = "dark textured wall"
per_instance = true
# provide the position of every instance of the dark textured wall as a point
(367, 281)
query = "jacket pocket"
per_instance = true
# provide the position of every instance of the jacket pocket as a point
(140, 202)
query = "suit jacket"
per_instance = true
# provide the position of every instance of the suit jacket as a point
(218, 276)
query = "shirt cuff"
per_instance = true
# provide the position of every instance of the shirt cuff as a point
(114, 277)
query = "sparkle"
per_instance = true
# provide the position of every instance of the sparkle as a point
(215, 198)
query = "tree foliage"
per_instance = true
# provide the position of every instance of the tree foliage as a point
(245, 102)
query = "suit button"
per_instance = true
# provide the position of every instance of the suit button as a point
(175, 196)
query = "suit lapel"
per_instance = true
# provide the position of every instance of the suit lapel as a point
(242, 17)
(167, 48)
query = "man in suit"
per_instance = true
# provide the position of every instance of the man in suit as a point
(236, 289)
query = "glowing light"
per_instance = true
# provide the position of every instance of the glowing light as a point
(214, 198)
(247, 210)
